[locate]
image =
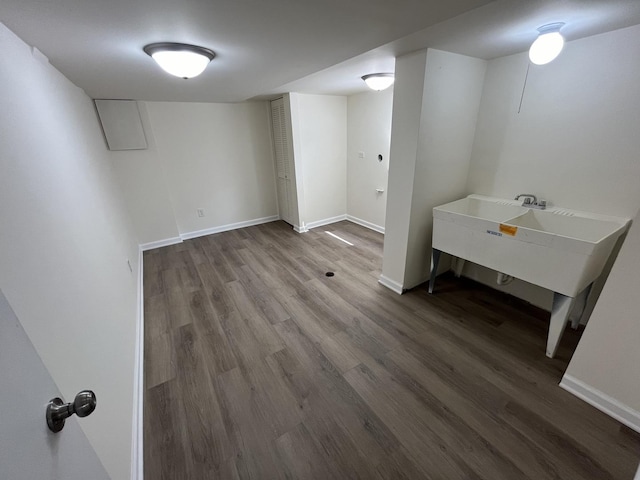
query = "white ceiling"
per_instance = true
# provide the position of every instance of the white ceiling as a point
(266, 47)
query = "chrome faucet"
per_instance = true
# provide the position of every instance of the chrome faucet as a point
(531, 201)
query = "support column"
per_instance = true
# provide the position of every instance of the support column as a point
(560, 311)
(435, 253)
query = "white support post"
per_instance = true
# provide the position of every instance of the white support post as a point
(434, 270)
(560, 311)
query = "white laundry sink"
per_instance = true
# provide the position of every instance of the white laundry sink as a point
(559, 249)
(475, 208)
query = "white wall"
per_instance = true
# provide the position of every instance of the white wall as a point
(320, 149)
(64, 245)
(608, 356)
(408, 91)
(452, 92)
(144, 186)
(369, 132)
(436, 101)
(575, 141)
(218, 157)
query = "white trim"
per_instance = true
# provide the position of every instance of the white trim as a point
(160, 243)
(226, 228)
(603, 402)
(137, 456)
(391, 284)
(298, 229)
(364, 223)
(326, 221)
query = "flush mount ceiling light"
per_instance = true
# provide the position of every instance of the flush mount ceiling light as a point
(379, 81)
(548, 45)
(180, 59)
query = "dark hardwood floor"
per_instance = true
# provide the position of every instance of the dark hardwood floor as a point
(259, 366)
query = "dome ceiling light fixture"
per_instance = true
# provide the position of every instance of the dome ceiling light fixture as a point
(180, 59)
(548, 45)
(379, 81)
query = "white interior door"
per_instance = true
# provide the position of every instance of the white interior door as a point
(283, 162)
(28, 449)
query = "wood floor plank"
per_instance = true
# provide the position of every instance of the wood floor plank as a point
(165, 456)
(300, 453)
(207, 446)
(246, 348)
(160, 358)
(258, 366)
(342, 358)
(156, 315)
(329, 392)
(268, 305)
(527, 455)
(213, 286)
(256, 323)
(529, 389)
(256, 459)
(428, 451)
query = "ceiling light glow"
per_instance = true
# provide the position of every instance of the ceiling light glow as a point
(379, 81)
(179, 59)
(548, 45)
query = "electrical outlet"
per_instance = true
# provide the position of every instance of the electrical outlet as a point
(200, 212)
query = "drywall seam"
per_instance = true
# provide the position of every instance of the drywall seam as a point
(226, 228)
(137, 456)
(364, 223)
(603, 402)
(160, 243)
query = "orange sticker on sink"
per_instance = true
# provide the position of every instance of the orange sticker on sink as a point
(508, 229)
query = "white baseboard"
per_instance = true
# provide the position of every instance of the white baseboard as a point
(390, 284)
(364, 223)
(603, 402)
(208, 231)
(160, 243)
(326, 221)
(298, 229)
(137, 456)
(226, 228)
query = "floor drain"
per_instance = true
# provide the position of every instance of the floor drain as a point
(329, 274)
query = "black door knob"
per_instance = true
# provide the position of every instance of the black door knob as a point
(57, 411)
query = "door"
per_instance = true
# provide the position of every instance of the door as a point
(28, 450)
(284, 168)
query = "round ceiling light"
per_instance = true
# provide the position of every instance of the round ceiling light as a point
(180, 59)
(379, 81)
(548, 45)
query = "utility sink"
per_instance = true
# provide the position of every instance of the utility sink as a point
(473, 208)
(559, 249)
